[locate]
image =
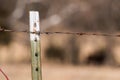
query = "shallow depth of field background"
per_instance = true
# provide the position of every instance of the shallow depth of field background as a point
(64, 57)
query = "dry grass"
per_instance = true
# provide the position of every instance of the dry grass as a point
(63, 72)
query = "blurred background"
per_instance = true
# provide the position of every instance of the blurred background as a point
(64, 57)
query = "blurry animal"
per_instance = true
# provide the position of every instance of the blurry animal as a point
(97, 58)
(55, 53)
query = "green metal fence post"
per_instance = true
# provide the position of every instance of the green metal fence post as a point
(35, 45)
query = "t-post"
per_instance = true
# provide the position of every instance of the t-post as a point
(35, 45)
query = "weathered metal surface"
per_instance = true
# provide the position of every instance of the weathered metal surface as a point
(35, 45)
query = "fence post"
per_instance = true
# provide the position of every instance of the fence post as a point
(35, 45)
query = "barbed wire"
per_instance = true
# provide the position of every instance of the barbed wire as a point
(71, 33)
(8, 30)
(83, 33)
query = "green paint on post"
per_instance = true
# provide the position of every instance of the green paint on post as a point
(35, 46)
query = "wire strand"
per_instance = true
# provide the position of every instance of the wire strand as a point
(68, 33)
(83, 33)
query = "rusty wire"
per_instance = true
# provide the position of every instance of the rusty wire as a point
(83, 33)
(68, 33)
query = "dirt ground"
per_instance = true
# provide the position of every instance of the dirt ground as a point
(62, 72)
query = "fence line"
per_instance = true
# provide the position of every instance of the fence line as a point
(83, 33)
(71, 33)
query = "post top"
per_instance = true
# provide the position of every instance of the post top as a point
(34, 24)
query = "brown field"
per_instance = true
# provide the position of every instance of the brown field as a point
(63, 72)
